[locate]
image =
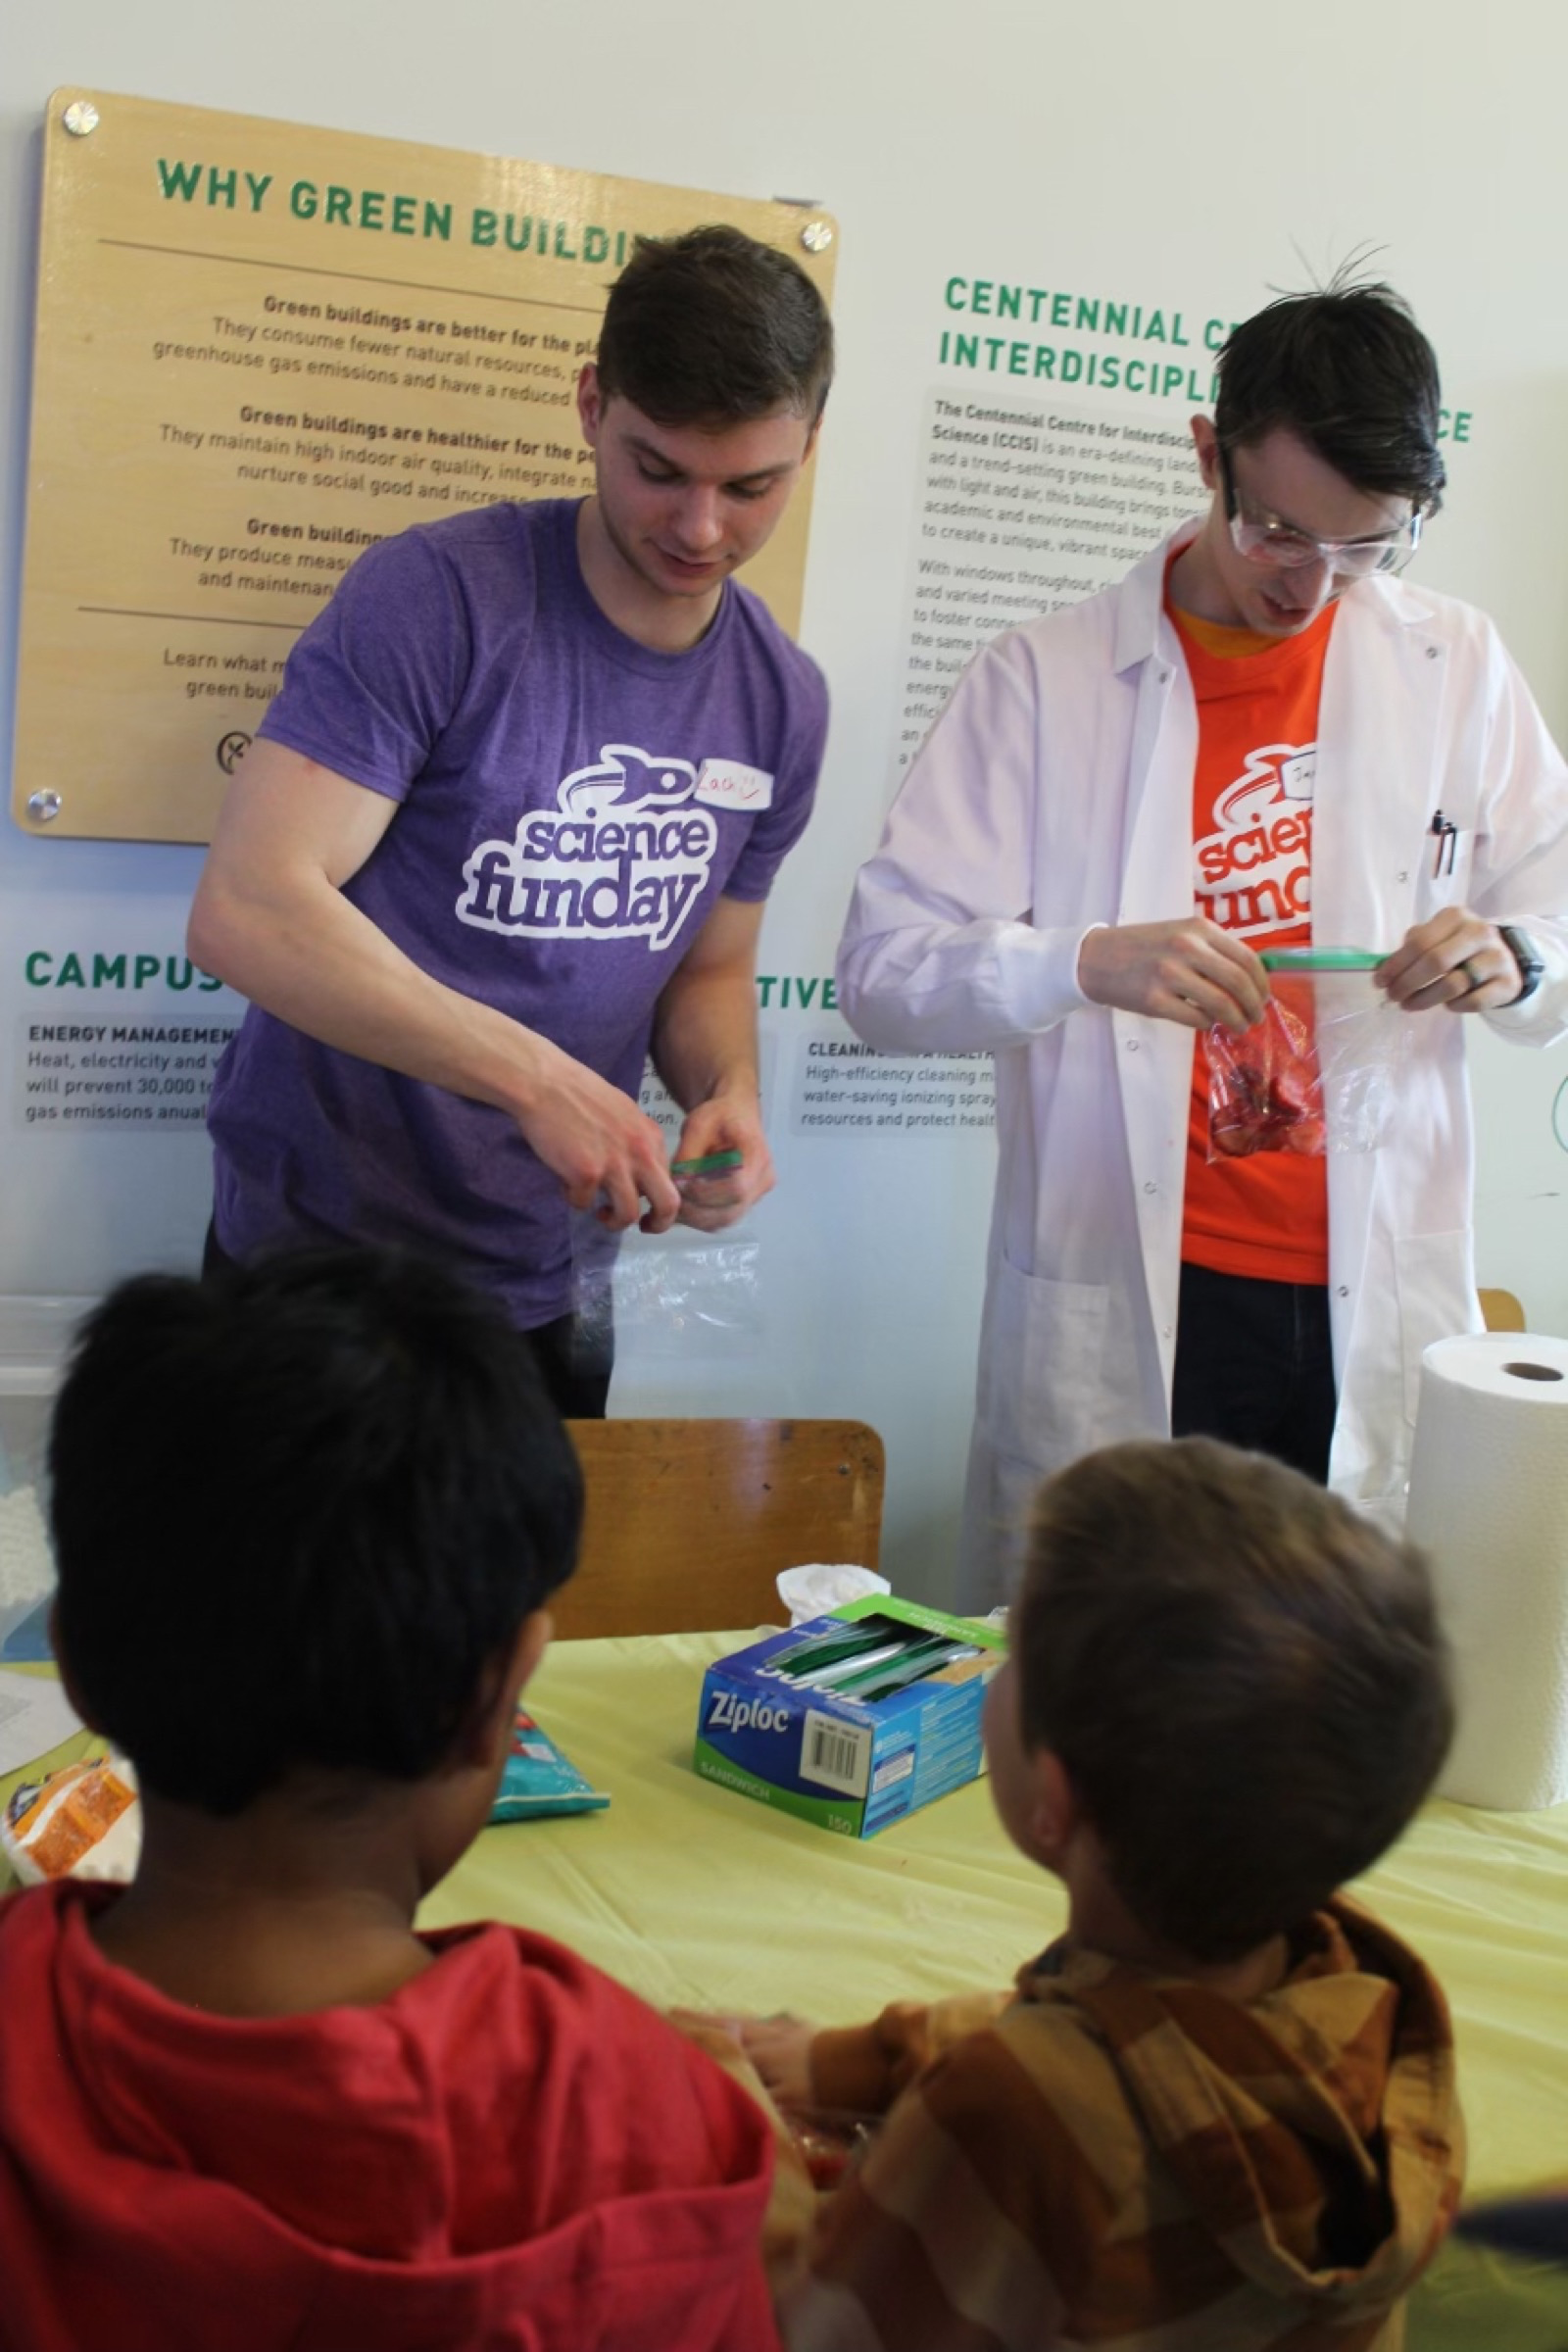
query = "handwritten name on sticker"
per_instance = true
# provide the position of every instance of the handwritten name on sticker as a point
(728, 784)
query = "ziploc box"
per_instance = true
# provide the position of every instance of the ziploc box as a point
(852, 1720)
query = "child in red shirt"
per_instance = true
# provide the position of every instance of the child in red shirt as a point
(307, 1527)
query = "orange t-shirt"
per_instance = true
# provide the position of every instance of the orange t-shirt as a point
(1265, 1215)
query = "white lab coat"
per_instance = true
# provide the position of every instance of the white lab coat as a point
(1056, 793)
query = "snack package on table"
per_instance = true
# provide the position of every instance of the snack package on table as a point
(81, 1822)
(1319, 1072)
(538, 1777)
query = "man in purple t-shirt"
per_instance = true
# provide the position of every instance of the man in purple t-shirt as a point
(509, 824)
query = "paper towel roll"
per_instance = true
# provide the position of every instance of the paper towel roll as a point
(1488, 1503)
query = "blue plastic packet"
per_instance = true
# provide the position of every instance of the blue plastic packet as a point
(28, 1644)
(537, 1777)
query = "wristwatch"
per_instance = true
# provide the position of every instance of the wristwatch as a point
(1526, 954)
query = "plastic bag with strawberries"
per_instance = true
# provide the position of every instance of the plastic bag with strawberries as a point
(1266, 1090)
(831, 2141)
(1318, 1073)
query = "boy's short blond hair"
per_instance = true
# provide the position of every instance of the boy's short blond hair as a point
(1244, 1679)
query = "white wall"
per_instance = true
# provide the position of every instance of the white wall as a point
(1199, 159)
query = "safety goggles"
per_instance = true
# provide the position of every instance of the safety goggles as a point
(1264, 539)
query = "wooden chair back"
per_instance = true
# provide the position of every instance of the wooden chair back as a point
(688, 1521)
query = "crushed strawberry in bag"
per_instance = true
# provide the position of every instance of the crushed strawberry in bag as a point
(1265, 1089)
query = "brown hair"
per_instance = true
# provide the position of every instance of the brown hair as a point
(713, 328)
(1245, 1681)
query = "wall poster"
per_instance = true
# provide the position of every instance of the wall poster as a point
(260, 348)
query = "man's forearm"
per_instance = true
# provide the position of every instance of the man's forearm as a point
(705, 1035)
(313, 960)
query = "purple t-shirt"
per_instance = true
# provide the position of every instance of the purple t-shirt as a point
(571, 805)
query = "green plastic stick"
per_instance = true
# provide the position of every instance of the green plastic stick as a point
(711, 1164)
(1320, 959)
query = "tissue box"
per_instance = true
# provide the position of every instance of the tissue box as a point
(853, 1719)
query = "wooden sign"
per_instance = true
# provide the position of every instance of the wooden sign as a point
(260, 348)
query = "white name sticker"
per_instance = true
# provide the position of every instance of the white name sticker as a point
(727, 784)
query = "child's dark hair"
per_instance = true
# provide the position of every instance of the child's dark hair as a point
(1350, 373)
(296, 1515)
(1244, 1679)
(711, 327)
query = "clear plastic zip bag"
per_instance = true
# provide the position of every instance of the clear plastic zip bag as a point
(670, 1298)
(1319, 1072)
(667, 1298)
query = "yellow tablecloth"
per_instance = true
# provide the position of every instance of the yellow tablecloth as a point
(692, 1895)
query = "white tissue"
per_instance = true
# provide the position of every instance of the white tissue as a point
(812, 1591)
(1488, 1503)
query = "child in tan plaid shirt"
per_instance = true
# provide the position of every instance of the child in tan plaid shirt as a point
(1218, 2114)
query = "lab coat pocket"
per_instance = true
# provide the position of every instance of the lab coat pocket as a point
(1445, 875)
(1434, 1279)
(1041, 1361)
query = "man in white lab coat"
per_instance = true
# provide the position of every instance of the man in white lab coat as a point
(1263, 738)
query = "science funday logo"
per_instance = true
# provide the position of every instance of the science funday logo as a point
(1252, 875)
(626, 855)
